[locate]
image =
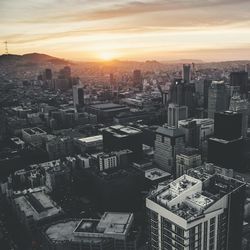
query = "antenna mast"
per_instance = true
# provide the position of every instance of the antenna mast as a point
(6, 48)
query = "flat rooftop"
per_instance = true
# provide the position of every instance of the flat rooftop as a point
(17, 140)
(155, 174)
(122, 131)
(37, 204)
(170, 132)
(107, 106)
(64, 231)
(91, 139)
(115, 223)
(111, 225)
(188, 198)
(34, 131)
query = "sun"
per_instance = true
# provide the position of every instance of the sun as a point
(107, 56)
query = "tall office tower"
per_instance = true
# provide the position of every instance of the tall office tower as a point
(120, 137)
(189, 158)
(65, 73)
(137, 78)
(225, 149)
(207, 84)
(240, 79)
(186, 73)
(48, 74)
(226, 153)
(78, 96)
(193, 70)
(176, 113)
(192, 132)
(183, 94)
(227, 125)
(165, 97)
(247, 69)
(111, 79)
(169, 142)
(239, 105)
(217, 98)
(197, 211)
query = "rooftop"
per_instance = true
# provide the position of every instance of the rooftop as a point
(155, 174)
(122, 131)
(170, 131)
(91, 139)
(37, 204)
(34, 131)
(105, 106)
(17, 140)
(111, 225)
(188, 198)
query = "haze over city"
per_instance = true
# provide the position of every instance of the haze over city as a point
(124, 125)
(214, 30)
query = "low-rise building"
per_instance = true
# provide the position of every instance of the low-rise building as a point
(34, 207)
(114, 231)
(33, 135)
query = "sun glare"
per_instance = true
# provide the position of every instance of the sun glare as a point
(107, 56)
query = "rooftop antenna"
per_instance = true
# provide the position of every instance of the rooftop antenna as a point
(6, 48)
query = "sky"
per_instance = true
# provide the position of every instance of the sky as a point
(209, 30)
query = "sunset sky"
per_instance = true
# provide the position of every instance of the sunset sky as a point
(210, 30)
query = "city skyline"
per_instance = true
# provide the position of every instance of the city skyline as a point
(127, 30)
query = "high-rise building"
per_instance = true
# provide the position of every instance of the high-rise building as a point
(120, 137)
(207, 84)
(226, 153)
(189, 158)
(65, 73)
(197, 211)
(239, 105)
(247, 69)
(169, 142)
(217, 98)
(186, 73)
(78, 95)
(225, 149)
(137, 78)
(182, 94)
(192, 132)
(227, 125)
(240, 79)
(176, 113)
(48, 74)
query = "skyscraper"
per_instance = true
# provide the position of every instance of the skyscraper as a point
(48, 74)
(176, 113)
(240, 79)
(239, 105)
(182, 94)
(217, 98)
(137, 78)
(247, 69)
(197, 211)
(186, 73)
(192, 131)
(227, 125)
(225, 149)
(78, 95)
(169, 142)
(65, 73)
(207, 84)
